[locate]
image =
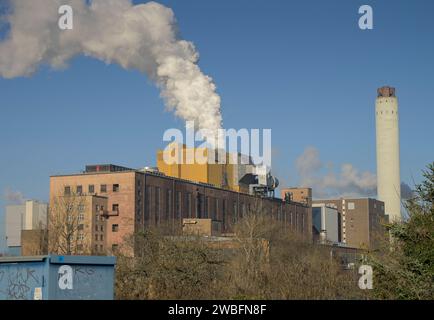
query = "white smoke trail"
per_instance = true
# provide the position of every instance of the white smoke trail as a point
(141, 37)
(13, 197)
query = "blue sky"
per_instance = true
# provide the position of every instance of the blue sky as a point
(302, 68)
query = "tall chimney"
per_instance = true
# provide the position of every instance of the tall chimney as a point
(387, 134)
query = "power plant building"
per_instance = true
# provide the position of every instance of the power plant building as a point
(139, 198)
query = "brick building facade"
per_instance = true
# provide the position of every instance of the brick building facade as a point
(136, 199)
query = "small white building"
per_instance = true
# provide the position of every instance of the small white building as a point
(31, 215)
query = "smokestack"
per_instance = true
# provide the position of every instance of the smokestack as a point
(387, 135)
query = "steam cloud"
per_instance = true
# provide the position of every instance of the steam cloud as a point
(141, 37)
(349, 182)
(406, 191)
(13, 197)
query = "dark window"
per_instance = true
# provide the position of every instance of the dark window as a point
(102, 228)
(101, 237)
(91, 188)
(147, 204)
(200, 201)
(67, 191)
(206, 209)
(115, 227)
(80, 227)
(80, 247)
(224, 209)
(234, 212)
(96, 227)
(168, 203)
(157, 205)
(115, 247)
(216, 211)
(115, 207)
(115, 188)
(178, 205)
(103, 188)
(96, 237)
(79, 189)
(188, 204)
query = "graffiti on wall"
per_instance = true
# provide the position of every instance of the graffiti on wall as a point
(17, 283)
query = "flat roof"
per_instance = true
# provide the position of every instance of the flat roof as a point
(163, 176)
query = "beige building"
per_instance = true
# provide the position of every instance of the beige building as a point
(300, 195)
(77, 224)
(360, 220)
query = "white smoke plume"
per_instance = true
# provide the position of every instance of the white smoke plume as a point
(141, 37)
(348, 182)
(13, 197)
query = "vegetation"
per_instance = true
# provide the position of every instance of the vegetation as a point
(264, 261)
(405, 270)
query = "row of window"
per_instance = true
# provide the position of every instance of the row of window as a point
(206, 207)
(91, 189)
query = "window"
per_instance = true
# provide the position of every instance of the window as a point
(79, 189)
(188, 204)
(115, 247)
(115, 227)
(101, 248)
(206, 209)
(101, 237)
(116, 188)
(103, 188)
(178, 205)
(91, 188)
(168, 203)
(351, 206)
(81, 236)
(115, 207)
(81, 217)
(80, 247)
(224, 205)
(234, 212)
(80, 227)
(96, 227)
(199, 213)
(96, 248)
(96, 237)
(102, 228)
(215, 213)
(97, 208)
(67, 191)
(157, 205)
(147, 204)
(80, 207)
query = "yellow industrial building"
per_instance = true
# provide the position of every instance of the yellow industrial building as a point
(223, 175)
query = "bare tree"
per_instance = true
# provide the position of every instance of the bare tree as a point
(66, 232)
